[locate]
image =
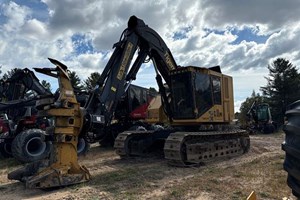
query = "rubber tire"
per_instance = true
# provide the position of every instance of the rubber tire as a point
(82, 146)
(291, 146)
(5, 147)
(27, 138)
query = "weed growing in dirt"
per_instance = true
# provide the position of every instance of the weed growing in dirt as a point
(177, 194)
(8, 163)
(264, 195)
(127, 182)
(94, 198)
(236, 195)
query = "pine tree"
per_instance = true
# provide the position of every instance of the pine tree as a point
(283, 87)
(10, 73)
(246, 105)
(91, 81)
(75, 80)
(46, 85)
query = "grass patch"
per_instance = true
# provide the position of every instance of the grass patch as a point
(238, 174)
(111, 180)
(253, 162)
(129, 182)
(260, 171)
(236, 195)
(94, 198)
(8, 163)
(177, 194)
(78, 186)
(264, 195)
(215, 181)
(263, 175)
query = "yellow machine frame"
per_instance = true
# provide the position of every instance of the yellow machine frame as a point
(223, 113)
(63, 169)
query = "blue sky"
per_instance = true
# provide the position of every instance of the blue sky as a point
(249, 35)
(241, 36)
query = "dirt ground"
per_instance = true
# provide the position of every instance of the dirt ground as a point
(259, 170)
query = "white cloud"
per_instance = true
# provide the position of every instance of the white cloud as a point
(27, 41)
(237, 105)
(271, 14)
(35, 29)
(16, 16)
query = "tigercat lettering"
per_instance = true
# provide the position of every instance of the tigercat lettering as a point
(169, 61)
(125, 61)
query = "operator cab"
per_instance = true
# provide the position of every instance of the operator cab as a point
(195, 91)
(263, 113)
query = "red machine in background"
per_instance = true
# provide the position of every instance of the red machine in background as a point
(131, 111)
(22, 132)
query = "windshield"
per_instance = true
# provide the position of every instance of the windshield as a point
(183, 105)
(203, 93)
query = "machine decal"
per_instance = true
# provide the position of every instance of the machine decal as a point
(113, 89)
(169, 61)
(125, 61)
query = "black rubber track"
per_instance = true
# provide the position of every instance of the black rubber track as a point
(29, 146)
(291, 146)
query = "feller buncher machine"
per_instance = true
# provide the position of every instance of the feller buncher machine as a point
(62, 169)
(197, 104)
(22, 132)
(260, 119)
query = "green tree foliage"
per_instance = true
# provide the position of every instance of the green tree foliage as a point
(75, 80)
(91, 81)
(46, 85)
(246, 105)
(283, 87)
(153, 91)
(9, 73)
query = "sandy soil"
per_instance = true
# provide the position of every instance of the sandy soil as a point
(151, 178)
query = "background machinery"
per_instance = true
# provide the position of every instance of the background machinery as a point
(131, 112)
(260, 119)
(23, 131)
(62, 169)
(198, 104)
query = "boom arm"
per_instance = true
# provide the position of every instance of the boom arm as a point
(116, 76)
(26, 78)
(14, 89)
